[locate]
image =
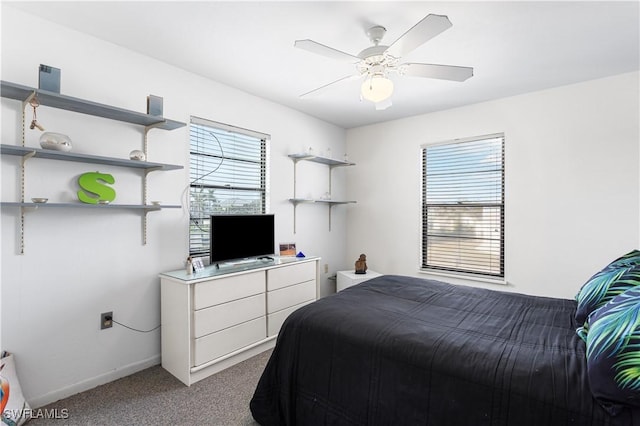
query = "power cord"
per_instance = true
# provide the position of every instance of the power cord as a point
(135, 329)
(186, 192)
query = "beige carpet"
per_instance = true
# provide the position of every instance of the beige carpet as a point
(155, 397)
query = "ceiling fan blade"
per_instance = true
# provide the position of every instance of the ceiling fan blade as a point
(420, 33)
(442, 72)
(321, 88)
(321, 49)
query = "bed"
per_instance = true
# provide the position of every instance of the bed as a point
(399, 350)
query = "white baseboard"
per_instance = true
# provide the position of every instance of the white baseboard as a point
(91, 383)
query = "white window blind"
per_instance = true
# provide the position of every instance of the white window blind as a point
(228, 174)
(463, 206)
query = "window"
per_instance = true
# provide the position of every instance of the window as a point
(228, 174)
(463, 206)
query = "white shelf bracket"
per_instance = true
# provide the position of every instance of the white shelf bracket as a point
(295, 205)
(26, 156)
(28, 99)
(23, 162)
(145, 147)
(144, 228)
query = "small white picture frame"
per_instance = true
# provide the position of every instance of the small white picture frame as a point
(287, 249)
(198, 265)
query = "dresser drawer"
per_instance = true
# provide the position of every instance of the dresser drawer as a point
(224, 290)
(289, 275)
(231, 339)
(290, 296)
(219, 317)
(275, 320)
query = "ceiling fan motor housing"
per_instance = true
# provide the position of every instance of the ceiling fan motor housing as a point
(374, 60)
(373, 51)
(376, 33)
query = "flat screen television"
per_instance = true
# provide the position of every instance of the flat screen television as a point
(241, 236)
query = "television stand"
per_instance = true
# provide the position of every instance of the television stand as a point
(219, 316)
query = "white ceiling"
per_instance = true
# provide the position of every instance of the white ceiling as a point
(514, 47)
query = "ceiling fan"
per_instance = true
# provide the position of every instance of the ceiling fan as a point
(374, 64)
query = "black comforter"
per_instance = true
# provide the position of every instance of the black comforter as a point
(406, 351)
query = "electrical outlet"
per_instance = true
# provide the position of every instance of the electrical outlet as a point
(326, 268)
(106, 320)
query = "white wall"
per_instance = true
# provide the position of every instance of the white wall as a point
(79, 263)
(572, 183)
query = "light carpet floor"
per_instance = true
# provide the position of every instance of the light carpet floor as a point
(154, 397)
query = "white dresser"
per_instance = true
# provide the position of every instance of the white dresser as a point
(218, 317)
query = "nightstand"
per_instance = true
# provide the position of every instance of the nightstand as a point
(349, 278)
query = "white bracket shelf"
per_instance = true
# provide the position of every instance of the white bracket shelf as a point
(80, 205)
(322, 160)
(24, 151)
(69, 103)
(328, 201)
(56, 100)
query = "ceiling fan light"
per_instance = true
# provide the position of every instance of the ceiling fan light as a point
(376, 89)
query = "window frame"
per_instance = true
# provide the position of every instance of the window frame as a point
(202, 250)
(476, 274)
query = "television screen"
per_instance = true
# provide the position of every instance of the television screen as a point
(241, 236)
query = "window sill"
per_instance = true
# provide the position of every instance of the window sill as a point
(465, 277)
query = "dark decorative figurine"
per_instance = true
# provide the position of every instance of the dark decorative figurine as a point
(361, 264)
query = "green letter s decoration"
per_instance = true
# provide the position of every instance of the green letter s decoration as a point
(92, 182)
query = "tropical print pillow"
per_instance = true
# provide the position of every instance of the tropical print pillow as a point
(604, 286)
(630, 259)
(613, 352)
